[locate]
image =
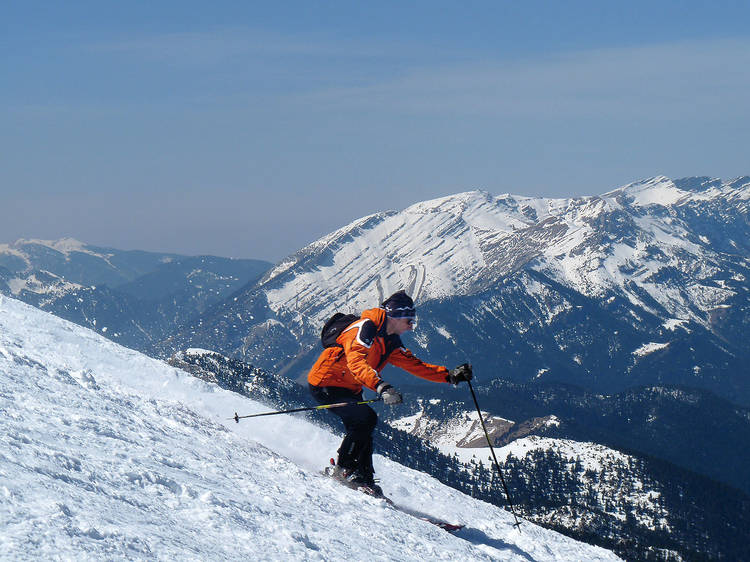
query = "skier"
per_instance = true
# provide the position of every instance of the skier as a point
(365, 346)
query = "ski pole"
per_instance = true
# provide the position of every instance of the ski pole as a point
(497, 464)
(322, 407)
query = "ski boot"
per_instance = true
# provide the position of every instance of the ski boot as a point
(354, 479)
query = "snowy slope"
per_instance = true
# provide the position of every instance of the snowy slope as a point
(107, 454)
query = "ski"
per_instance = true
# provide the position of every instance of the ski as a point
(330, 471)
(450, 527)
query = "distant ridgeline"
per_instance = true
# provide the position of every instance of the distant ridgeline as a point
(132, 297)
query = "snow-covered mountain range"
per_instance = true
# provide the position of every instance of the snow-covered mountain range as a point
(132, 297)
(645, 284)
(464, 244)
(107, 454)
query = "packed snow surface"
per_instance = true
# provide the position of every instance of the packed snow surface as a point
(106, 454)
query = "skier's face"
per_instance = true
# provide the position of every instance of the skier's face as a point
(400, 325)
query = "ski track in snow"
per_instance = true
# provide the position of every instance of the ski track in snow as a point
(106, 454)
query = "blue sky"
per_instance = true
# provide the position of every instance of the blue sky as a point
(250, 129)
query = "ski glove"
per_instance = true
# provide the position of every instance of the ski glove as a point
(389, 394)
(459, 374)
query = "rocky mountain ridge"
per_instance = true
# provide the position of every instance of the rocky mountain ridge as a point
(462, 244)
(646, 284)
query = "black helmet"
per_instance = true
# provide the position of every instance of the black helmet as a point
(399, 305)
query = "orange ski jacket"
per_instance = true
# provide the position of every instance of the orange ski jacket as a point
(367, 348)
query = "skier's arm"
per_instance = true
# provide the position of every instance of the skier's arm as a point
(406, 360)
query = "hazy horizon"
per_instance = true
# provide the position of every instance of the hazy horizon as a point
(249, 131)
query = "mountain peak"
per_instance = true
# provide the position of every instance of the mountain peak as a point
(659, 190)
(665, 192)
(451, 245)
(62, 245)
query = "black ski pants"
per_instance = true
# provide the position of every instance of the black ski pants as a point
(359, 420)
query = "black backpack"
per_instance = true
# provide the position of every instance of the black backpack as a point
(333, 328)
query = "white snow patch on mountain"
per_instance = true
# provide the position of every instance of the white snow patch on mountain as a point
(592, 455)
(32, 284)
(656, 191)
(666, 235)
(197, 351)
(107, 454)
(63, 245)
(674, 323)
(444, 332)
(11, 250)
(407, 423)
(648, 348)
